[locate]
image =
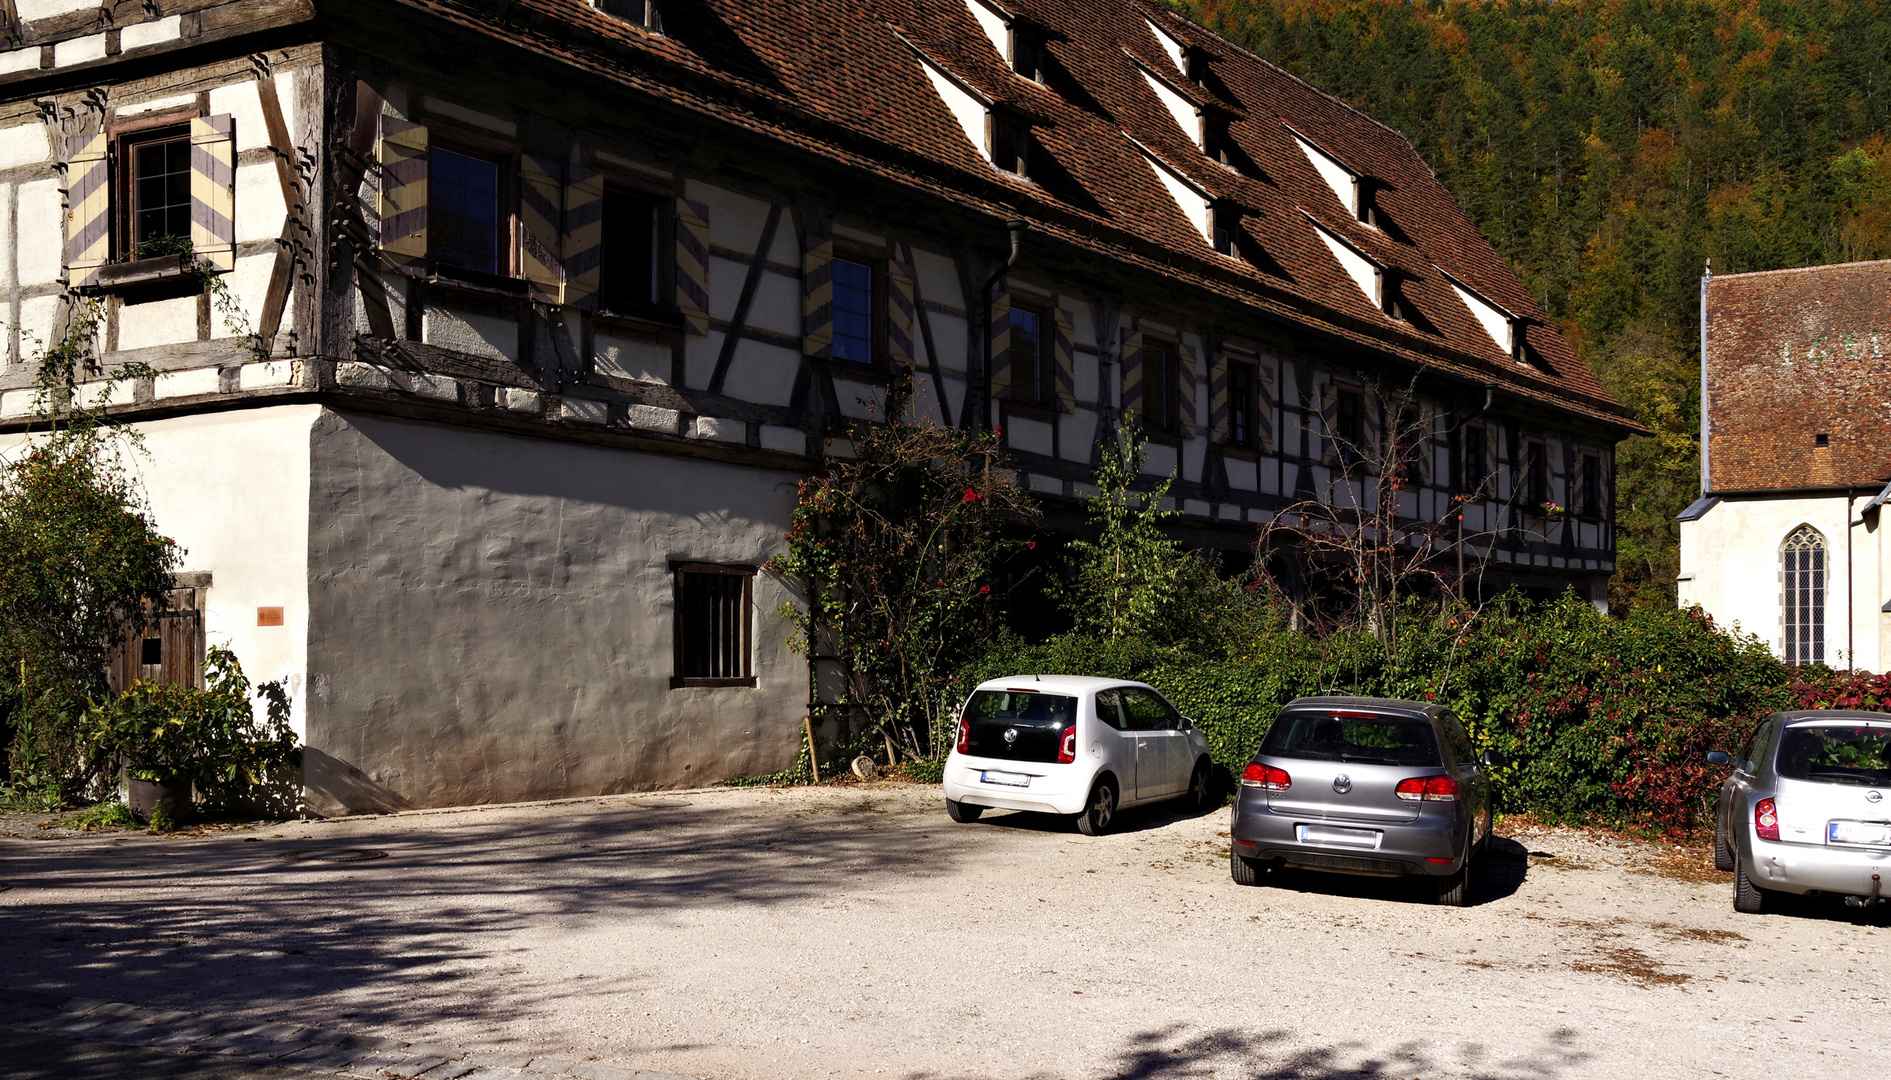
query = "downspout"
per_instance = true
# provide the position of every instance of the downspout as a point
(1016, 227)
(1851, 589)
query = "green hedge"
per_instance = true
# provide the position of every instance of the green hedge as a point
(1604, 719)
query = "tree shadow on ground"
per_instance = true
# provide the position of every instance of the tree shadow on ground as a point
(226, 922)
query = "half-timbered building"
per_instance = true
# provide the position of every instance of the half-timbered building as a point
(505, 330)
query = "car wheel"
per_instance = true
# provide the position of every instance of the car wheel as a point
(1100, 810)
(1198, 787)
(1748, 898)
(1483, 846)
(1451, 888)
(1244, 870)
(962, 812)
(1723, 852)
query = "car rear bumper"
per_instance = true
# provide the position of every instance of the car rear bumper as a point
(1052, 789)
(1401, 847)
(1807, 868)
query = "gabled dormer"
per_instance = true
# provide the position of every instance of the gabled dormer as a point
(1196, 204)
(1001, 135)
(1503, 325)
(1354, 190)
(1018, 40)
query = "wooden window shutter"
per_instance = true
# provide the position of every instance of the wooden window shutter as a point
(89, 197)
(1001, 344)
(583, 240)
(902, 301)
(817, 297)
(1425, 448)
(402, 202)
(1329, 424)
(541, 213)
(1579, 485)
(1064, 352)
(1490, 458)
(692, 265)
(1264, 407)
(1132, 376)
(1218, 397)
(213, 190)
(1375, 428)
(1188, 410)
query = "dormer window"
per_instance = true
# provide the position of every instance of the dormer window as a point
(1027, 54)
(1392, 294)
(1225, 225)
(1177, 49)
(635, 12)
(1217, 142)
(1010, 143)
(1367, 274)
(1196, 205)
(1503, 327)
(1366, 200)
(1348, 186)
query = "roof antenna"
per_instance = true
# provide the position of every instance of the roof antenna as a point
(1039, 678)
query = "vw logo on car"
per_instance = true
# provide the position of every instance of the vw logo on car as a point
(1011, 736)
(1342, 783)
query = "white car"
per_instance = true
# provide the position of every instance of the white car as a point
(1065, 744)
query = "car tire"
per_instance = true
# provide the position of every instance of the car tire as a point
(1197, 798)
(1723, 852)
(1748, 898)
(1099, 811)
(1452, 887)
(963, 813)
(1246, 871)
(1483, 846)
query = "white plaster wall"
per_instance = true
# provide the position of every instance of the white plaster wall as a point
(776, 304)
(735, 221)
(629, 357)
(233, 490)
(1730, 567)
(492, 617)
(42, 232)
(495, 336)
(157, 322)
(762, 373)
(25, 144)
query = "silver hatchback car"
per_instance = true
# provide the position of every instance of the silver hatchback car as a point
(1807, 809)
(1364, 786)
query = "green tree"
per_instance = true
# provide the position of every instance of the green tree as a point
(1127, 578)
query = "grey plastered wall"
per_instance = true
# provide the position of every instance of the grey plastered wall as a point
(491, 618)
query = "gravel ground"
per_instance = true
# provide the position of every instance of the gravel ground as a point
(856, 932)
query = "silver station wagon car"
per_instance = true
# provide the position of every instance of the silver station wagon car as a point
(1063, 744)
(1807, 809)
(1364, 786)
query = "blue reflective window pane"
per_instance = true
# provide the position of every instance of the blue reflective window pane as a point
(463, 211)
(853, 312)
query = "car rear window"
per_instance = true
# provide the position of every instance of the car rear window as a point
(1352, 737)
(1836, 754)
(1018, 724)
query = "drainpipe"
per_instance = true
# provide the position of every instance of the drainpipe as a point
(1851, 590)
(1706, 277)
(1016, 226)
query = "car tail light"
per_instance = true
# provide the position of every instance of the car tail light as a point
(1766, 820)
(1428, 788)
(1067, 746)
(1265, 776)
(965, 735)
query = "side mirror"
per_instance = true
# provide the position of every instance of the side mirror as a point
(1718, 757)
(1493, 760)
(1186, 724)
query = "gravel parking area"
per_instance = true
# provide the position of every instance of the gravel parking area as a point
(856, 932)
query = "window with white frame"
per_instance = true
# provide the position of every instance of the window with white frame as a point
(1802, 595)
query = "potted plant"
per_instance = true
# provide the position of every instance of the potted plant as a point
(176, 742)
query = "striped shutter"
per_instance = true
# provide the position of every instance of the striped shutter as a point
(583, 241)
(1132, 376)
(1491, 434)
(1218, 397)
(1064, 353)
(1000, 328)
(402, 202)
(1578, 484)
(1427, 446)
(1376, 421)
(541, 211)
(88, 195)
(1264, 407)
(1185, 421)
(213, 190)
(1329, 423)
(902, 301)
(692, 265)
(817, 297)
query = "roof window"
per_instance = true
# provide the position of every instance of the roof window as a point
(1009, 143)
(1176, 48)
(635, 12)
(1353, 191)
(1196, 205)
(1499, 323)
(1367, 274)
(1188, 116)
(996, 24)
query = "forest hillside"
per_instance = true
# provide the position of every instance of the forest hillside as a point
(1610, 149)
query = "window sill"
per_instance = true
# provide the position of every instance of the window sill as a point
(1244, 453)
(170, 273)
(650, 318)
(680, 683)
(871, 372)
(485, 286)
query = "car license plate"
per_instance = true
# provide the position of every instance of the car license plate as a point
(1009, 779)
(1337, 836)
(1858, 832)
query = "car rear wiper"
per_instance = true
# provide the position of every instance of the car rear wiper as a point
(1843, 777)
(1369, 760)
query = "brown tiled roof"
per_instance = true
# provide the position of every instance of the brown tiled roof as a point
(839, 78)
(1791, 355)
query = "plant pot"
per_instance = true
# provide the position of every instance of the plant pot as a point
(171, 795)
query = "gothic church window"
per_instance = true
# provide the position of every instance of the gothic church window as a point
(1802, 595)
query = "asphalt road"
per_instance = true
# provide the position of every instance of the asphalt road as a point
(856, 932)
